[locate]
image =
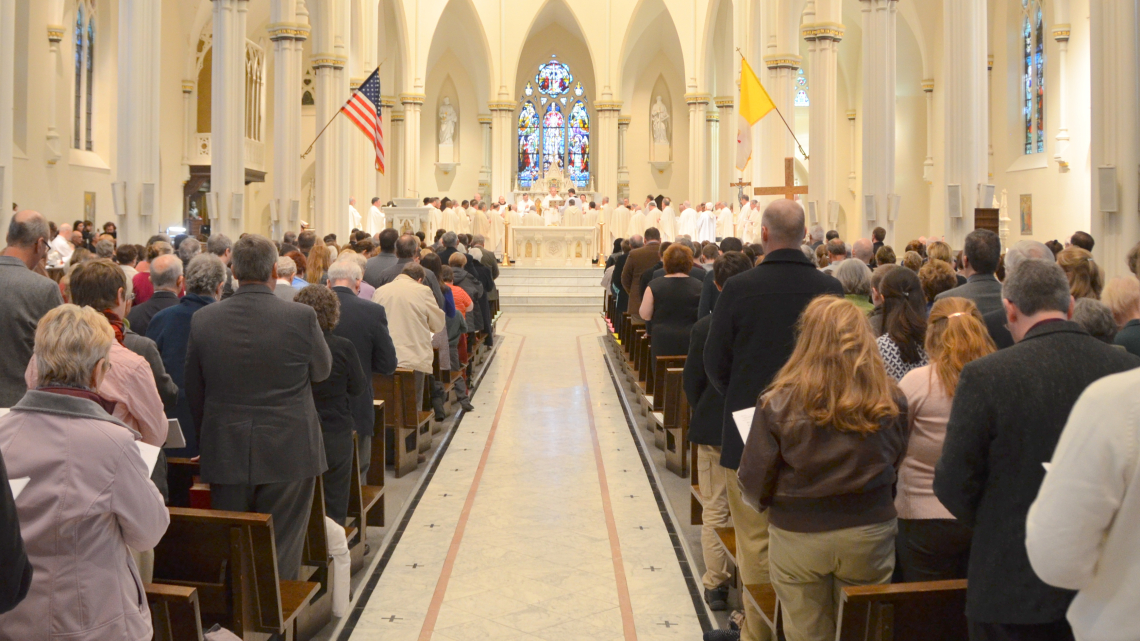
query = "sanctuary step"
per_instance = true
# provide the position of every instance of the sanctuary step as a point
(550, 289)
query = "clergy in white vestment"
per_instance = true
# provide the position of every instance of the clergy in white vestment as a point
(637, 224)
(687, 224)
(524, 205)
(590, 218)
(605, 212)
(706, 225)
(552, 200)
(435, 216)
(572, 215)
(354, 221)
(480, 223)
(619, 224)
(514, 217)
(668, 226)
(752, 227)
(376, 222)
(653, 216)
(497, 236)
(471, 210)
(551, 216)
(742, 217)
(532, 219)
(724, 223)
(450, 219)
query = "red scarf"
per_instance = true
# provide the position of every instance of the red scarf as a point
(116, 324)
(79, 392)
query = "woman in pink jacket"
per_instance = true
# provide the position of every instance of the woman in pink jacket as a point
(89, 497)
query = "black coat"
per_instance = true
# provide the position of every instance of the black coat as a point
(622, 294)
(140, 316)
(753, 332)
(707, 403)
(996, 325)
(709, 294)
(1008, 413)
(333, 396)
(15, 570)
(366, 325)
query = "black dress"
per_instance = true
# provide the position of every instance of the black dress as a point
(332, 397)
(675, 303)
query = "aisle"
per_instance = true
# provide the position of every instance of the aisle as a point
(540, 521)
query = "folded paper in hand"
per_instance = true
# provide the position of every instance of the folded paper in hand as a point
(743, 420)
(149, 455)
(18, 485)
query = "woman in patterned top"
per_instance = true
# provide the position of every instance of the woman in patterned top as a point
(904, 323)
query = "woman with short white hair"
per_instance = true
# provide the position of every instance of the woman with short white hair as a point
(89, 496)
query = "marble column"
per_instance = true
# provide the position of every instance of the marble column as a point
(698, 156)
(7, 102)
(726, 159)
(137, 166)
(54, 145)
(364, 178)
(189, 125)
(1061, 33)
(288, 31)
(964, 59)
(853, 144)
(1115, 52)
(712, 120)
(331, 93)
(776, 143)
(623, 166)
(823, 116)
(606, 143)
(384, 184)
(412, 102)
(396, 156)
(503, 148)
(226, 200)
(879, 20)
(928, 163)
(485, 162)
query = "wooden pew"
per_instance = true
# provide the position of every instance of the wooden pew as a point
(316, 566)
(659, 384)
(933, 611)
(676, 424)
(230, 558)
(625, 330)
(174, 612)
(762, 596)
(402, 417)
(697, 504)
(365, 502)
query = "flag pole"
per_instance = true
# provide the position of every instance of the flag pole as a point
(778, 112)
(338, 112)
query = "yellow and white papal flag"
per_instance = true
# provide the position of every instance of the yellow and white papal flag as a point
(755, 103)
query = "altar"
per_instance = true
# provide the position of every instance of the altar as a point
(409, 216)
(540, 189)
(553, 246)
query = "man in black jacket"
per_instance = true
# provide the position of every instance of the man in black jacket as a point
(366, 325)
(705, 430)
(15, 570)
(1008, 413)
(751, 337)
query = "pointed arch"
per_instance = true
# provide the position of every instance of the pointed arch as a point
(460, 29)
(716, 62)
(554, 12)
(652, 33)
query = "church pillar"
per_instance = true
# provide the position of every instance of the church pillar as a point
(396, 158)
(485, 164)
(623, 166)
(331, 93)
(7, 102)
(137, 138)
(227, 119)
(726, 158)
(698, 159)
(55, 35)
(189, 125)
(288, 30)
(989, 118)
(1115, 51)
(879, 19)
(928, 164)
(964, 60)
(502, 148)
(823, 115)
(605, 158)
(712, 117)
(853, 161)
(383, 183)
(412, 104)
(1061, 35)
(776, 143)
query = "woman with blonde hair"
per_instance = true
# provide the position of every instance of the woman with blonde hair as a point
(1085, 279)
(317, 270)
(828, 436)
(1122, 296)
(932, 545)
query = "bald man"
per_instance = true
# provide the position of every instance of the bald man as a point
(864, 250)
(752, 336)
(166, 275)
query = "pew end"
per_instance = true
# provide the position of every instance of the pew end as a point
(930, 611)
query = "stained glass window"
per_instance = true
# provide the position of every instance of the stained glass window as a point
(554, 78)
(1033, 76)
(553, 138)
(528, 145)
(90, 81)
(84, 113)
(79, 48)
(579, 160)
(802, 99)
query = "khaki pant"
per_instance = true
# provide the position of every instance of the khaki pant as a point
(711, 480)
(751, 555)
(810, 570)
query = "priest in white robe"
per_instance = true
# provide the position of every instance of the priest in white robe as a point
(551, 200)
(472, 208)
(742, 217)
(354, 221)
(652, 216)
(590, 218)
(605, 212)
(435, 216)
(480, 223)
(524, 205)
(752, 227)
(637, 224)
(668, 225)
(687, 224)
(376, 222)
(572, 215)
(725, 225)
(706, 225)
(619, 224)
(532, 219)
(497, 234)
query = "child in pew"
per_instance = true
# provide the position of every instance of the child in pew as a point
(332, 398)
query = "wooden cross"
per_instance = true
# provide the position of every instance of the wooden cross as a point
(790, 189)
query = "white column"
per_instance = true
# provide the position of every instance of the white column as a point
(189, 125)
(137, 159)
(989, 118)
(712, 120)
(698, 158)
(1061, 34)
(1115, 51)
(878, 115)
(7, 105)
(606, 143)
(623, 166)
(331, 93)
(964, 63)
(288, 31)
(54, 146)
(412, 104)
(823, 115)
(396, 157)
(384, 183)
(928, 164)
(485, 163)
(776, 143)
(852, 176)
(503, 148)
(726, 160)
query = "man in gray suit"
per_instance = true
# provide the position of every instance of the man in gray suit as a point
(25, 297)
(407, 251)
(249, 364)
(286, 269)
(383, 260)
(980, 259)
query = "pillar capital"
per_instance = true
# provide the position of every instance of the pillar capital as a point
(823, 31)
(1061, 32)
(408, 99)
(783, 61)
(288, 31)
(55, 33)
(484, 119)
(697, 98)
(502, 105)
(712, 116)
(928, 85)
(724, 102)
(327, 61)
(608, 105)
(623, 121)
(397, 116)
(188, 86)
(387, 101)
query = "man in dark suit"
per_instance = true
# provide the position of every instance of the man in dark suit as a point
(996, 319)
(1008, 413)
(751, 337)
(407, 251)
(250, 363)
(366, 325)
(640, 261)
(980, 259)
(166, 276)
(619, 266)
(385, 259)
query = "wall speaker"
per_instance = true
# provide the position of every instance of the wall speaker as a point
(119, 198)
(237, 208)
(148, 198)
(954, 201)
(813, 214)
(869, 213)
(1106, 189)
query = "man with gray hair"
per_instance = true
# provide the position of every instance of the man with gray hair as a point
(221, 246)
(166, 276)
(1008, 413)
(995, 320)
(250, 363)
(25, 297)
(816, 238)
(62, 243)
(752, 335)
(105, 249)
(286, 270)
(189, 248)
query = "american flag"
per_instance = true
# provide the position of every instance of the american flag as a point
(364, 110)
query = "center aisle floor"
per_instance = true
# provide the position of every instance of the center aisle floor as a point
(540, 522)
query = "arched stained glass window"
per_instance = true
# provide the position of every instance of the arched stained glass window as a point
(528, 145)
(1033, 76)
(802, 99)
(558, 141)
(84, 114)
(579, 143)
(553, 138)
(77, 137)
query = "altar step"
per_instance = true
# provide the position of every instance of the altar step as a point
(550, 289)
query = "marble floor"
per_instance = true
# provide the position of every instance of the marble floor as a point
(540, 521)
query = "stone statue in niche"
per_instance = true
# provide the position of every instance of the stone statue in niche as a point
(659, 118)
(447, 119)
